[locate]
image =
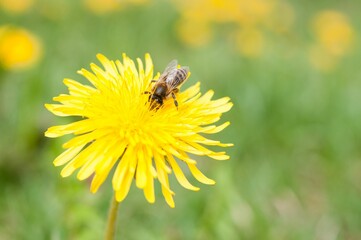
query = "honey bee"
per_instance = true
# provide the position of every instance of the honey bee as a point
(167, 84)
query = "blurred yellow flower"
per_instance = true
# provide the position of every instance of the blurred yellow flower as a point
(119, 130)
(255, 12)
(199, 18)
(194, 32)
(334, 32)
(18, 48)
(102, 6)
(334, 39)
(107, 6)
(219, 10)
(250, 42)
(16, 6)
(226, 11)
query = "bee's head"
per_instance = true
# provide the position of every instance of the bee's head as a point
(155, 101)
(158, 99)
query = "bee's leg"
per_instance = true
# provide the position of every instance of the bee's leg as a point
(147, 92)
(150, 95)
(175, 99)
(152, 81)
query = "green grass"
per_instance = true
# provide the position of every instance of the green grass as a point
(295, 169)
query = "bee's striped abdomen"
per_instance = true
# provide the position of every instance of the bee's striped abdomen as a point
(177, 77)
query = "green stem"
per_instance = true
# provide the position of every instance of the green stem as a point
(112, 220)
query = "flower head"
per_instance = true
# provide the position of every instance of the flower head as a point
(334, 32)
(334, 35)
(108, 6)
(118, 128)
(16, 6)
(18, 48)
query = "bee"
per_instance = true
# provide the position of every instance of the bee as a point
(167, 84)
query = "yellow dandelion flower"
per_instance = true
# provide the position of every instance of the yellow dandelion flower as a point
(334, 32)
(194, 32)
(250, 42)
(18, 48)
(102, 6)
(106, 6)
(16, 6)
(255, 12)
(118, 129)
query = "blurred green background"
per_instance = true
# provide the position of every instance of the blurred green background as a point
(291, 69)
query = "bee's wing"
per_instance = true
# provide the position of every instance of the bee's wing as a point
(172, 65)
(176, 78)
